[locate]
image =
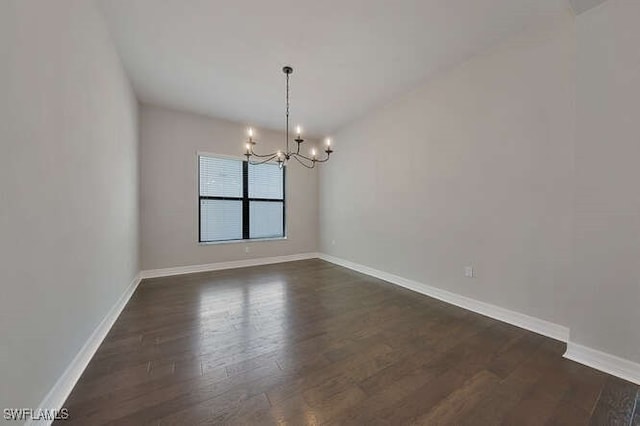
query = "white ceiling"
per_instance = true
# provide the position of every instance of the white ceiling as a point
(224, 58)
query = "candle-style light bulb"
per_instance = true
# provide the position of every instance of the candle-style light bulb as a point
(328, 149)
(248, 146)
(298, 130)
(279, 154)
(250, 132)
(313, 153)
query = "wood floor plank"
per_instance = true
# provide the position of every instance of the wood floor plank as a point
(309, 342)
(460, 401)
(420, 402)
(616, 404)
(567, 414)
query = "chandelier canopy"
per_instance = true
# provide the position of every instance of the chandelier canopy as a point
(282, 157)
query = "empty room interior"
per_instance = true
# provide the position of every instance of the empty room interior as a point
(320, 212)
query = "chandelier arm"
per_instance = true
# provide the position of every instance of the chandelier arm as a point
(259, 155)
(305, 157)
(314, 159)
(257, 163)
(323, 161)
(297, 157)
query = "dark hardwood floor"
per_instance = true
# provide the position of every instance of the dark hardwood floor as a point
(312, 343)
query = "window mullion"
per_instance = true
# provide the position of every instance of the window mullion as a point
(245, 201)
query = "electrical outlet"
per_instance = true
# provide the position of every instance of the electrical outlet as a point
(246, 249)
(468, 271)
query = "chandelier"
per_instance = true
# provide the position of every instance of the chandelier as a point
(282, 157)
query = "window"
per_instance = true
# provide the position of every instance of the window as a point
(240, 201)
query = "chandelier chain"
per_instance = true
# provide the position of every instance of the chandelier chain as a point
(287, 132)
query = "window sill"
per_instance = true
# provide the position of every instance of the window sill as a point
(254, 240)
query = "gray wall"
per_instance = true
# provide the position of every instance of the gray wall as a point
(523, 162)
(472, 168)
(169, 191)
(605, 305)
(68, 189)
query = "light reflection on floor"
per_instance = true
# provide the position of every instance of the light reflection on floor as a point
(257, 312)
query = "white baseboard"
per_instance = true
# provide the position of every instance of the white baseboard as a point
(611, 364)
(537, 325)
(179, 270)
(61, 390)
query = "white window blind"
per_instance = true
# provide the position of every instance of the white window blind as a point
(239, 200)
(266, 219)
(220, 177)
(265, 181)
(221, 220)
